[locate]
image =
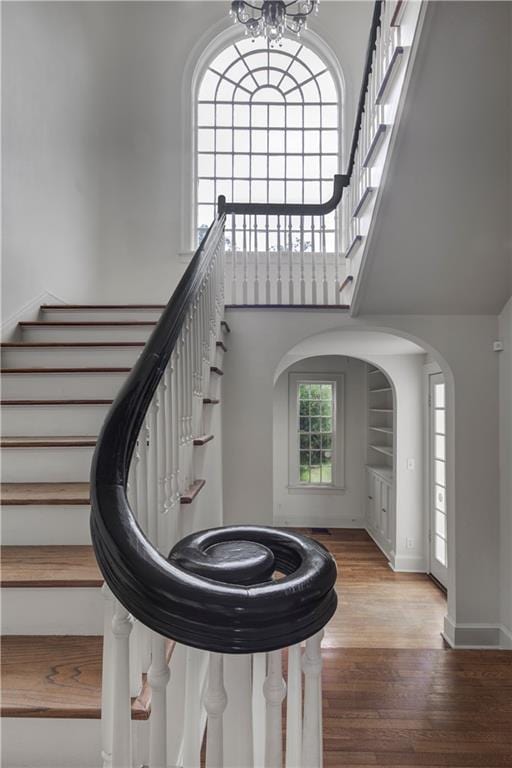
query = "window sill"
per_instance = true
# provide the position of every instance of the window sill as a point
(313, 489)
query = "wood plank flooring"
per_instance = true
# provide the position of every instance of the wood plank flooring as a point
(393, 696)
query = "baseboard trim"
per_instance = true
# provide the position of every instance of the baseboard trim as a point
(387, 555)
(408, 564)
(308, 522)
(29, 311)
(478, 636)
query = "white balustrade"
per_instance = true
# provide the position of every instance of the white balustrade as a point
(300, 264)
(238, 699)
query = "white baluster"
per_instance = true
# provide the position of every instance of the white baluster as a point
(122, 623)
(244, 282)
(256, 299)
(325, 284)
(314, 298)
(267, 251)
(279, 279)
(302, 280)
(275, 690)
(233, 260)
(294, 708)
(290, 263)
(152, 474)
(238, 739)
(107, 678)
(158, 678)
(215, 701)
(192, 724)
(312, 756)
(259, 673)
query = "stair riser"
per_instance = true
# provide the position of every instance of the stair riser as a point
(99, 315)
(55, 420)
(71, 334)
(52, 611)
(46, 465)
(28, 386)
(52, 525)
(51, 742)
(70, 357)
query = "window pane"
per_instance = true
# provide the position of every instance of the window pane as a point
(304, 442)
(439, 447)
(440, 550)
(316, 425)
(439, 498)
(441, 524)
(439, 394)
(439, 472)
(304, 425)
(315, 408)
(439, 421)
(326, 473)
(315, 454)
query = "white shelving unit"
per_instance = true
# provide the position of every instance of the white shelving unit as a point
(380, 460)
(380, 419)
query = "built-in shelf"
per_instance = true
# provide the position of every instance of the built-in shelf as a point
(382, 449)
(380, 404)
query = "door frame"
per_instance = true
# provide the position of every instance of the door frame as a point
(431, 372)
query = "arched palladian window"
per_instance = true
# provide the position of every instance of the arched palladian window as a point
(267, 127)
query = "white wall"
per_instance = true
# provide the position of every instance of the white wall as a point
(340, 508)
(93, 140)
(463, 347)
(505, 367)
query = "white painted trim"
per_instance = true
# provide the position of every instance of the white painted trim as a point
(338, 464)
(368, 248)
(472, 636)
(29, 311)
(505, 638)
(388, 555)
(222, 34)
(305, 521)
(408, 564)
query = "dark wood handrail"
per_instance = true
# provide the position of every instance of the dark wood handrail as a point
(226, 603)
(340, 180)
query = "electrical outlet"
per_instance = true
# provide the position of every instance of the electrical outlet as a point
(411, 464)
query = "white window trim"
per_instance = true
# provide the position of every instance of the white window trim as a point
(338, 484)
(225, 33)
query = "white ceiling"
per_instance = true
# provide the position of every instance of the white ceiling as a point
(443, 244)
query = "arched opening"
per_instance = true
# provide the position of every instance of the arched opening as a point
(390, 438)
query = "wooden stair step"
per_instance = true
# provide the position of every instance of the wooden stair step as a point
(225, 327)
(85, 323)
(217, 370)
(210, 401)
(59, 677)
(202, 439)
(68, 344)
(51, 441)
(56, 402)
(66, 307)
(49, 566)
(18, 371)
(44, 494)
(192, 492)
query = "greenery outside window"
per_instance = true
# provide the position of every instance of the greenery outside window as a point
(316, 431)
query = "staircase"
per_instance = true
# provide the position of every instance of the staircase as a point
(60, 377)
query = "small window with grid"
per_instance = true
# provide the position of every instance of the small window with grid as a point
(316, 428)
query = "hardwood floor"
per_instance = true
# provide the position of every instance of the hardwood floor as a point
(393, 696)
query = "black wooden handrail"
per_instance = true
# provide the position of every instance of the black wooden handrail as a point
(340, 180)
(215, 590)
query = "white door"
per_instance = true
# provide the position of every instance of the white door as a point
(438, 520)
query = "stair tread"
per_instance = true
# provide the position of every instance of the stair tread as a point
(58, 676)
(51, 441)
(49, 566)
(84, 323)
(202, 439)
(211, 401)
(68, 344)
(192, 491)
(4, 371)
(65, 307)
(50, 401)
(47, 494)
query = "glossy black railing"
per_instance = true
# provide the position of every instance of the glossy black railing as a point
(216, 589)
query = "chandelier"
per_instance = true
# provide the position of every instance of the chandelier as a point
(271, 18)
